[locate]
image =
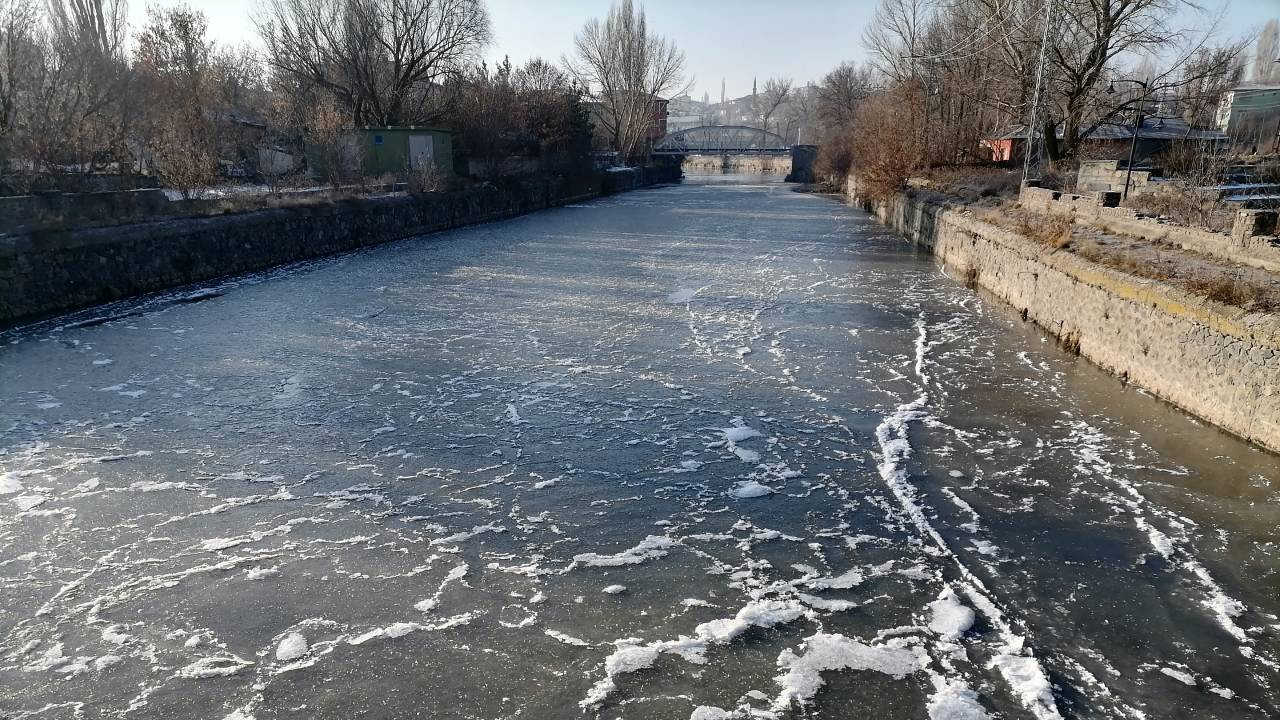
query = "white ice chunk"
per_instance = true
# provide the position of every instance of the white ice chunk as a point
(1028, 681)
(950, 617)
(653, 546)
(565, 638)
(26, 502)
(291, 647)
(212, 667)
(825, 652)
(738, 433)
(750, 489)
(1183, 677)
(9, 483)
(955, 701)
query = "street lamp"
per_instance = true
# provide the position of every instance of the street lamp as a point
(1133, 144)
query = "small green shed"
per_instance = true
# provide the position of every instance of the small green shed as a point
(402, 148)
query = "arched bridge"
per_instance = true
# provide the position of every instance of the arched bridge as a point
(722, 140)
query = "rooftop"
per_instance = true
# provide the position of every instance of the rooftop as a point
(1154, 128)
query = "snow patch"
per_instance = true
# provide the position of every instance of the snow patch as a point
(630, 655)
(212, 667)
(9, 483)
(950, 617)
(653, 546)
(831, 651)
(750, 489)
(291, 647)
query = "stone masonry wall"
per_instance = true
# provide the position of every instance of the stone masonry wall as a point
(1218, 362)
(43, 274)
(749, 164)
(1109, 175)
(1251, 242)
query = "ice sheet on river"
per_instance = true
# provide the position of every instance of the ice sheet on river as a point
(711, 451)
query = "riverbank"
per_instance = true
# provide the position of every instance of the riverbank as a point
(46, 273)
(1219, 362)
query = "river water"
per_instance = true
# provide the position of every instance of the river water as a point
(709, 450)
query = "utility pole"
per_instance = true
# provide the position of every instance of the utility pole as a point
(1137, 129)
(1035, 100)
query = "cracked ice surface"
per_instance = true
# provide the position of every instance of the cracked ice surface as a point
(720, 450)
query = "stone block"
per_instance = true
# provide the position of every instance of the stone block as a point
(1106, 198)
(1253, 223)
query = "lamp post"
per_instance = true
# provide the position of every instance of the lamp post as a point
(1137, 128)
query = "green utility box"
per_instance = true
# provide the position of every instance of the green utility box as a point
(399, 149)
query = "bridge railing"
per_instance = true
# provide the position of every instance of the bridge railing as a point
(721, 140)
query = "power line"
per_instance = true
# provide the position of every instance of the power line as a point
(946, 56)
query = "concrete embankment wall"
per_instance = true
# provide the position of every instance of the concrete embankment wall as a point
(747, 164)
(1215, 361)
(46, 273)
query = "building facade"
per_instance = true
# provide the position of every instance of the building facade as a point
(1250, 117)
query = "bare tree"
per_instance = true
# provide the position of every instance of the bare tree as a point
(174, 59)
(327, 133)
(382, 60)
(18, 55)
(841, 91)
(895, 34)
(970, 66)
(1089, 38)
(76, 107)
(554, 116)
(627, 68)
(776, 92)
(1267, 52)
(538, 75)
(98, 26)
(489, 118)
(1207, 76)
(883, 144)
(801, 115)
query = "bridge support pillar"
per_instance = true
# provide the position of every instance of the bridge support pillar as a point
(803, 158)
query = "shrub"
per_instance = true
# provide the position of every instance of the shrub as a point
(1049, 230)
(1185, 205)
(1230, 290)
(886, 145)
(974, 182)
(426, 178)
(834, 161)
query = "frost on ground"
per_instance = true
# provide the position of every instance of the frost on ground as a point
(708, 451)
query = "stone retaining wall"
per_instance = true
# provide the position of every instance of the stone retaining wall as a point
(1252, 240)
(43, 274)
(21, 213)
(1109, 175)
(1218, 362)
(749, 164)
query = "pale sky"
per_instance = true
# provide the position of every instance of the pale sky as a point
(733, 39)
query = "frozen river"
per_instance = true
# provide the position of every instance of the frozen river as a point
(716, 450)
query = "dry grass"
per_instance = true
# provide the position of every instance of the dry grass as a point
(1238, 287)
(1185, 206)
(1051, 231)
(973, 183)
(1246, 288)
(1235, 291)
